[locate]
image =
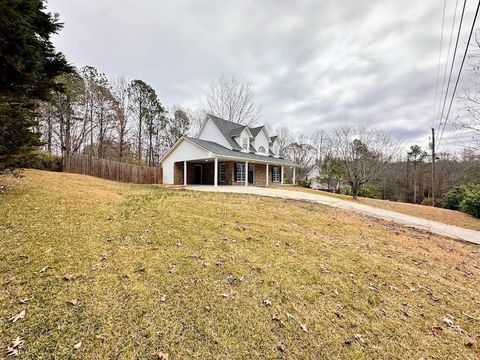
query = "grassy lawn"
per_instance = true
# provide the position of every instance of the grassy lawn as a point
(446, 216)
(212, 275)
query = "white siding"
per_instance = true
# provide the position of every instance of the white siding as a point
(184, 151)
(211, 133)
(261, 140)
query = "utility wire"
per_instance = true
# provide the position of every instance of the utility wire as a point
(453, 61)
(439, 61)
(459, 72)
(437, 125)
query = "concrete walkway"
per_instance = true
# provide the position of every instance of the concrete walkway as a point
(435, 227)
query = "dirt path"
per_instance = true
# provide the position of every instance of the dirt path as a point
(435, 227)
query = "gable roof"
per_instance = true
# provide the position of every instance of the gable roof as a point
(220, 150)
(273, 138)
(256, 130)
(227, 128)
(315, 167)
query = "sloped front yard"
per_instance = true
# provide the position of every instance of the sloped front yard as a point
(106, 270)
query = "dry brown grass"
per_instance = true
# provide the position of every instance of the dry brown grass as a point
(446, 216)
(216, 258)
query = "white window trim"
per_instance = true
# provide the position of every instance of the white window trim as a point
(243, 139)
(276, 176)
(240, 172)
(222, 172)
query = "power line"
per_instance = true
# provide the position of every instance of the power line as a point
(439, 61)
(453, 61)
(459, 72)
(446, 63)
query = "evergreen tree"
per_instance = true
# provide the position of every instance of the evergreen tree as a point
(29, 65)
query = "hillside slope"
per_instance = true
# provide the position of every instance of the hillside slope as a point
(108, 270)
(445, 216)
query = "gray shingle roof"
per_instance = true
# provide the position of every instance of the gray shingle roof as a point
(227, 128)
(220, 150)
(256, 130)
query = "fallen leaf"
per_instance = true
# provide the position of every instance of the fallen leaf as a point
(77, 345)
(359, 338)
(162, 356)
(163, 298)
(267, 302)
(436, 330)
(73, 302)
(281, 347)
(17, 345)
(447, 321)
(303, 327)
(224, 295)
(44, 269)
(100, 337)
(12, 351)
(69, 277)
(469, 317)
(24, 301)
(19, 316)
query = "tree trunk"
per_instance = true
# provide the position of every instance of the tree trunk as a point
(355, 189)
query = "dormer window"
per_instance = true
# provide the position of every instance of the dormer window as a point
(261, 149)
(276, 149)
(245, 143)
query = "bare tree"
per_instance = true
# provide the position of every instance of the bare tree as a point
(469, 117)
(285, 138)
(119, 89)
(302, 153)
(233, 100)
(363, 153)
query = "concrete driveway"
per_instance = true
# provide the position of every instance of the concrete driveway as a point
(435, 227)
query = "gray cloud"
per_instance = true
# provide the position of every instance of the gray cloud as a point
(314, 64)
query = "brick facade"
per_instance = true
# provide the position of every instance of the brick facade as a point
(259, 178)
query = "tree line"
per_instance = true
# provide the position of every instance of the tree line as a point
(47, 103)
(113, 119)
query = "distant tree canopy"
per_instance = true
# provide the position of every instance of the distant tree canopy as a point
(233, 100)
(29, 66)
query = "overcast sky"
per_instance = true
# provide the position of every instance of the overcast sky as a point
(313, 64)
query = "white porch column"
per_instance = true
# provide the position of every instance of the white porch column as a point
(293, 180)
(281, 175)
(215, 173)
(246, 173)
(266, 176)
(184, 173)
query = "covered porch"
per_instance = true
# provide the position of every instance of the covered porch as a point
(226, 171)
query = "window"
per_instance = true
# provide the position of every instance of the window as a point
(245, 143)
(276, 174)
(276, 149)
(261, 149)
(240, 172)
(223, 172)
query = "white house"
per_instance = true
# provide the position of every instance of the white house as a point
(225, 153)
(313, 175)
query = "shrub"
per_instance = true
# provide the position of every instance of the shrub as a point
(453, 198)
(471, 201)
(43, 161)
(370, 192)
(304, 182)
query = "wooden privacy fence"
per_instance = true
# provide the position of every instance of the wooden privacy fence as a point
(112, 170)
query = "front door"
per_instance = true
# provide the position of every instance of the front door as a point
(251, 173)
(198, 174)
